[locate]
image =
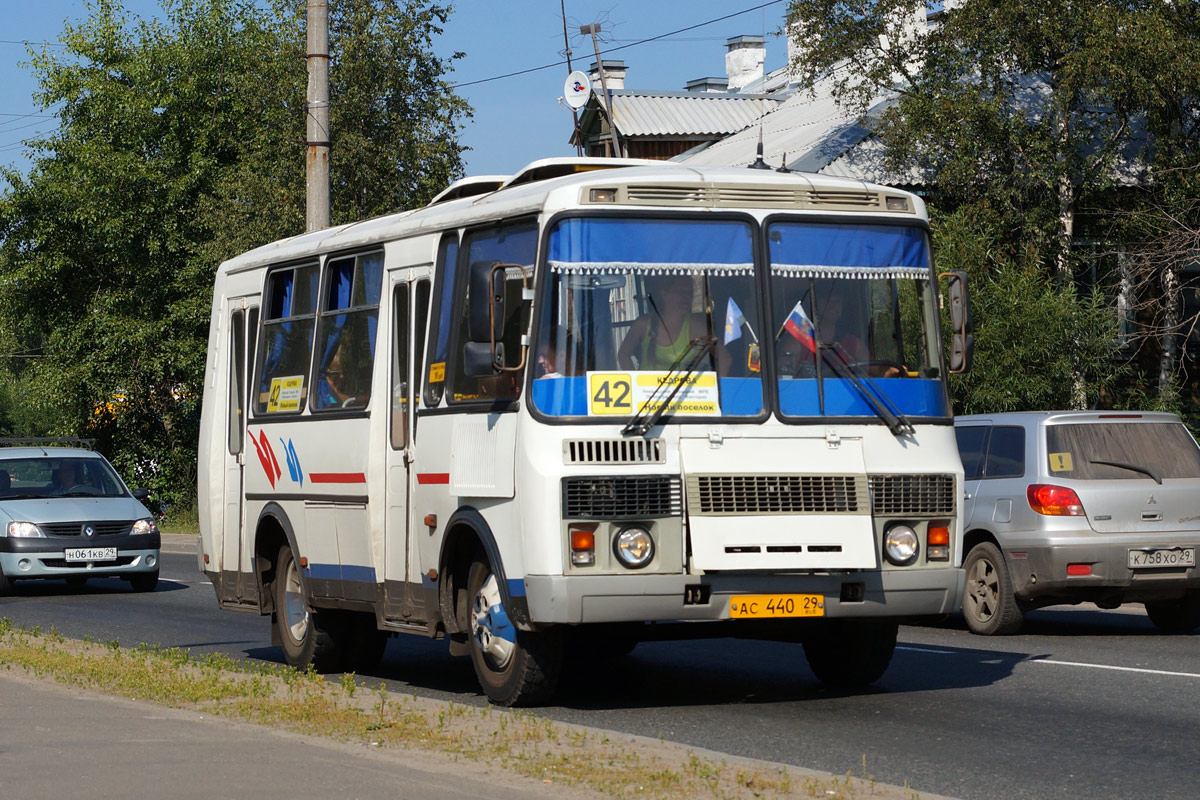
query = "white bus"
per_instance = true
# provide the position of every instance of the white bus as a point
(596, 403)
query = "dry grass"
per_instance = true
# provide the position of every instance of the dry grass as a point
(346, 710)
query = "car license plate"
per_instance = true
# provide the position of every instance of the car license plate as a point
(1163, 557)
(90, 554)
(773, 606)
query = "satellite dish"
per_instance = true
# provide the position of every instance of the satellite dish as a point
(577, 89)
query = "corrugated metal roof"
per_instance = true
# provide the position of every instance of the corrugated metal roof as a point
(686, 114)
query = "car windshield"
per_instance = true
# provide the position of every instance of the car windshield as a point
(860, 296)
(50, 476)
(625, 306)
(1122, 451)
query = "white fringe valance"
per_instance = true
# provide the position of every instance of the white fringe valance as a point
(644, 268)
(854, 273)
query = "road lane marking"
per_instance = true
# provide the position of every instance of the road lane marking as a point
(1108, 666)
(1055, 662)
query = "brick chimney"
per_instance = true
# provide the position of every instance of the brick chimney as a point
(744, 57)
(614, 74)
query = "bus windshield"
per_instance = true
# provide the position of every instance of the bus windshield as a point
(628, 301)
(853, 320)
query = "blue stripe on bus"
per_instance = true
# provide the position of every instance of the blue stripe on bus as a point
(345, 572)
(516, 587)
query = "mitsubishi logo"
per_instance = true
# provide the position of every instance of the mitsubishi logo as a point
(1151, 501)
(88, 530)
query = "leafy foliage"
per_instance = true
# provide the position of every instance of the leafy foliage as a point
(180, 145)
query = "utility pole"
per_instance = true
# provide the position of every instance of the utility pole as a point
(594, 29)
(317, 166)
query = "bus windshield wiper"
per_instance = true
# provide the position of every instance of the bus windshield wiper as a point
(1125, 465)
(684, 366)
(897, 423)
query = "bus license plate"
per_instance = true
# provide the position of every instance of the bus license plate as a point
(776, 606)
(1163, 557)
(90, 554)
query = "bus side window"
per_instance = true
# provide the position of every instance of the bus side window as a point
(400, 387)
(443, 317)
(288, 315)
(421, 314)
(346, 332)
(508, 244)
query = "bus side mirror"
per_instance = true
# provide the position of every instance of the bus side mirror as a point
(485, 317)
(962, 343)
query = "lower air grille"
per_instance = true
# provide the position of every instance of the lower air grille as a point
(76, 528)
(119, 561)
(902, 495)
(622, 497)
(776, 494)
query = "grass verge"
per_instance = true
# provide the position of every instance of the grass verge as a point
(613, 765)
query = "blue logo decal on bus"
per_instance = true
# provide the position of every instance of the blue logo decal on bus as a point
(293, 462)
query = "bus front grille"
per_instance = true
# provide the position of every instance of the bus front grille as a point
(903, 495)
(622, 497)
(713, 495)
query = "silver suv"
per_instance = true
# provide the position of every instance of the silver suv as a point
(1068, 507)
(65, 513)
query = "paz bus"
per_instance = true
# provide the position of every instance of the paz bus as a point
(595, 403)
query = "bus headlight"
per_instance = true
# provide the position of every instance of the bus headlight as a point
(634, 547)
(900, 545)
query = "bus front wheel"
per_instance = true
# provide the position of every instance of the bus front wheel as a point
(309, 638)
(849, 654)
(515, 668)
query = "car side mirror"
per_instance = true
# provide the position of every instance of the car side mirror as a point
(140, 494)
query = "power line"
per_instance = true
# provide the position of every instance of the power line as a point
(622, 47)
(29, 42)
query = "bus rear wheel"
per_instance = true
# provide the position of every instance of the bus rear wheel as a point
(308, 638)
(515, 668)
(849, 654)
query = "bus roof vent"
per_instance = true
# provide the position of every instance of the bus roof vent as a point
(852, 199)
(614, 451)
(730, 195)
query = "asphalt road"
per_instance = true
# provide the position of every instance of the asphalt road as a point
(1084, 703)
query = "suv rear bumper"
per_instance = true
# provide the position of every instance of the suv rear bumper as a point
(1040, 574)
(890, 594)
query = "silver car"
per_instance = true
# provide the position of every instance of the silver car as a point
(1068, 507)
(65, 513)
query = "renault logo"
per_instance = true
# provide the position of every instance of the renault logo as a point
(88, 530)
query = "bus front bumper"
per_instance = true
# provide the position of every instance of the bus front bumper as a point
(891, 594)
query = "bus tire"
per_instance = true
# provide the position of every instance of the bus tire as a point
(849, 654)
(1176, 616)
(309, 638)
(989, 603)
(367, 643)
(514, 667)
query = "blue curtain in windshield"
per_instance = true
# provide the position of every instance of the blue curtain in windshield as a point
(608, 243)
(860, 245)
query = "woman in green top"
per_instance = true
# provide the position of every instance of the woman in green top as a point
(657, 339)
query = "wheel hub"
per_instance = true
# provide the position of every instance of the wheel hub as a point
(493, 631)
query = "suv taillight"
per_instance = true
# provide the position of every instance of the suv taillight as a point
(1054, 501)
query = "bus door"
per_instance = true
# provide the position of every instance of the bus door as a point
(237, 584)
(410, 309)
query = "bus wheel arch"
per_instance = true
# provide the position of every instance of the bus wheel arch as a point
(468, 539)
(274, 530)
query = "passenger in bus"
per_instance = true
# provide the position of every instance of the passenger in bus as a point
(553, 361)
(659, 337)
(341, 379)
(838, 332)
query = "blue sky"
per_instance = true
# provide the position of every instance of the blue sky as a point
(517, 119)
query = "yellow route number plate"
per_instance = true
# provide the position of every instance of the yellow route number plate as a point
(776, 606)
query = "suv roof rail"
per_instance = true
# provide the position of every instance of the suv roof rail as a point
(53, 441)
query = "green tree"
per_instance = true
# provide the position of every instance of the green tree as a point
(179, 145)
(1041, 118)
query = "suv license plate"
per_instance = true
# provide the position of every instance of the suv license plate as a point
(90, 554)
(1163, 557)
(775, 606)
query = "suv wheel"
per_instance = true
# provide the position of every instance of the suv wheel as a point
(1176, 616)
(989, 605)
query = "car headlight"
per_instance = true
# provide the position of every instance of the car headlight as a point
(900, 545)
(146, 525)
(25, 530)
(634, 547)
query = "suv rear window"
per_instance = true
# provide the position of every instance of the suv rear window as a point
(1165, 449)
